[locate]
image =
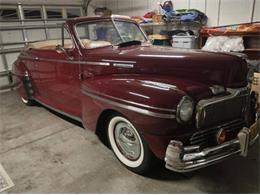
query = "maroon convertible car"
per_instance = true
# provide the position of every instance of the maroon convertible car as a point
(190, 108)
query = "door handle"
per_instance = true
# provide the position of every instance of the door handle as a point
(36, 58)
(83, 76)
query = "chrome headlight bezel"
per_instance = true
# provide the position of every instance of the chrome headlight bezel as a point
(185, 100)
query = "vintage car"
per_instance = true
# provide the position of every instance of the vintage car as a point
(190, 108)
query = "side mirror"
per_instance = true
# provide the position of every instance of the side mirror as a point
(60, 49)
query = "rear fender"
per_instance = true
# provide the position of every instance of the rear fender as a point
(18, 73)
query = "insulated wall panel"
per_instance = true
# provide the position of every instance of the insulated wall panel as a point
(198, 4)
(4, 80)
(112, 5)
(212, 11)
(2, 66)
(12, 36)
(11, 57)
(36, 34)
(181, 4)
(256, 14)
(140, 7)
(235, 11)
(125, 7)
(54, 33)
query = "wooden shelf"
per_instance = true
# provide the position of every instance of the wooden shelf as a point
(169, 23)
(244, 34)
(253, 49)
(251, 42)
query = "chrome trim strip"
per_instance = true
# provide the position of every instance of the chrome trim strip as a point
(98, 63)
(130, 102)
(121, 65)
(66, 61)
(58, 111)
(128, 107)
(119, 61)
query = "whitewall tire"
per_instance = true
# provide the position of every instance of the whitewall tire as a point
(128, 145)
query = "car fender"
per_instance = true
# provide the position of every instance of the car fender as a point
(138, 97)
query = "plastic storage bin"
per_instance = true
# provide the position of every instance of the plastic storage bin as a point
(188, 42)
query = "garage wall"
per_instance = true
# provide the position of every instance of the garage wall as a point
(220, 12)
(20, 26)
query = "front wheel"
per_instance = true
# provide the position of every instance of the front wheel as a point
(128, 145)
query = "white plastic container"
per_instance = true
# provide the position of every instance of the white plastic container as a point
(188, 41)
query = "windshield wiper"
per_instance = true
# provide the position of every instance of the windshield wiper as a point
(129, 43)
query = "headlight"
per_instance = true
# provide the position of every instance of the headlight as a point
(185, 109)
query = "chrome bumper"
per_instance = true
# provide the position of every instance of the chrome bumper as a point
(184, 159)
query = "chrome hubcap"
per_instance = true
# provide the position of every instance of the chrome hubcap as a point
(127, 141)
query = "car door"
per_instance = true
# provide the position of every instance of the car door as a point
(59, 74)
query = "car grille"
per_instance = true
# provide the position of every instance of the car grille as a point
(206, 138)
(211, 112)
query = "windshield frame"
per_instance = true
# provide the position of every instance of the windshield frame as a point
(116, 28)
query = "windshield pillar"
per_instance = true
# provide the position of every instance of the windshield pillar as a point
(117, 29)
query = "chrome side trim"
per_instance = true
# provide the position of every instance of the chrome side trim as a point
(58, 111)
(130, 102)
(128, 107)
(121, 65)
(98, 63)
(66, 61)
(119, 61)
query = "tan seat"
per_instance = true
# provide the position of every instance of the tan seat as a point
(51, 44)
(88, 44)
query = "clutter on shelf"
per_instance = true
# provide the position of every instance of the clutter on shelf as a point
(223, 39)
(169, 15)
(162, 40)
(224, 44)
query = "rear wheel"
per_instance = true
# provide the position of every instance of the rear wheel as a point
(128, 145)
(27, 101)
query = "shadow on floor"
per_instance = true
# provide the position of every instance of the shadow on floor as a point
(237, 175)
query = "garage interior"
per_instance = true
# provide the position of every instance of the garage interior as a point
(42, 151)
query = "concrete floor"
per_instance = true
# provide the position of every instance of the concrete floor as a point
(44, 153)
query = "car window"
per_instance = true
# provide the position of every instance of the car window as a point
(106, 33)
(100, 31)
(130, 31)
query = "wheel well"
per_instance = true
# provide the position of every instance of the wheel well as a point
(102, 123)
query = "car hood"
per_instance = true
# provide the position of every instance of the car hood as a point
(183, 64)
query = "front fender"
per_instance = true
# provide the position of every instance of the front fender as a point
(136, 91)
(138, 97)
(149, 102)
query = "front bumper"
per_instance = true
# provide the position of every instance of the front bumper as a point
(184, 159)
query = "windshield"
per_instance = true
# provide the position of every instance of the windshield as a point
(104, 33)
